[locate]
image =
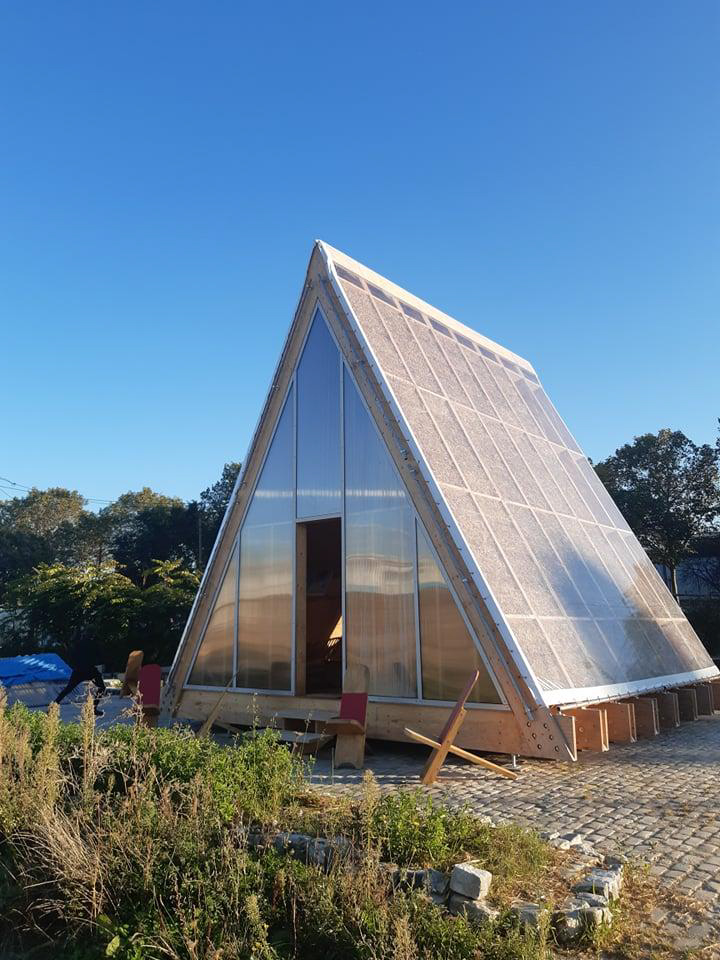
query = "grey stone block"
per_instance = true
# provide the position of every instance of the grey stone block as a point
(475, 910)
(438, 882)
(607, 883)
(529, 914)
(470, 880)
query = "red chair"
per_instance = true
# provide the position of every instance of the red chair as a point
(349, 726)
(149, 688)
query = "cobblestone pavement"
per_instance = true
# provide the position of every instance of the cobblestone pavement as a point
(655, 800)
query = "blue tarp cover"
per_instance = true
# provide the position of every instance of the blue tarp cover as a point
(33, 668)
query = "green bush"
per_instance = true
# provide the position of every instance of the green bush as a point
(132, 843)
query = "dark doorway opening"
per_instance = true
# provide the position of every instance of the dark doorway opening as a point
(323, 607)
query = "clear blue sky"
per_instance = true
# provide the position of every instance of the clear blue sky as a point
(547, 172)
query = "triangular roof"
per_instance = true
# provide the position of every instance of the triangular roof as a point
(572, 608)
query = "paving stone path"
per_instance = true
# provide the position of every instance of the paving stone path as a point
(655, 800)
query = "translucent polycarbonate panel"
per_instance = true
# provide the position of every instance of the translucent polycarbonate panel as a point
(523, 564)
(214, 660)
(487, 554)
(267, 537)
(319, 464)
(550, 546)
(379, 559)
(546, 663)
(447, 650)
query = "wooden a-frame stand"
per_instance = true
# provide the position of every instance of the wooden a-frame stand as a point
(450, 730)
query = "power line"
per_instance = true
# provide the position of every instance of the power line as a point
(14, 487)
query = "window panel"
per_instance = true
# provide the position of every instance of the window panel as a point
(319, 468)
(214, 660)
(448, 651)
(379, 559)
(266, 569)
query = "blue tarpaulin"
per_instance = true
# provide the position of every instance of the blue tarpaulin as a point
(33, 668)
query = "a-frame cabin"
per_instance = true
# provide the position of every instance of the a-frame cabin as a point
(412, 502)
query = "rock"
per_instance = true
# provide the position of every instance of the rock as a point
(438, 882)
(593, 917)
(560, 844)
(588, 850)
(317, 852)
(439, 899)
(568, 925)
(470, 880)
(547, 836)
(475, 910)
(529, 914)
(412, 879)
(594, 899)
(605, 882)
(574, 839)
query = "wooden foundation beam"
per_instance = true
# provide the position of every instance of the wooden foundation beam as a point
(687, 702)
(704, 695)
(668, 709)
(621, 722)
(591, 728)
(647, 719)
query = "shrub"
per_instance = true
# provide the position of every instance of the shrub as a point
(131, 843)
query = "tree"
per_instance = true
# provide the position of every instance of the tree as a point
(668, 489)
(42, 512)
(33, 527)
(211, 509)
(48, 604)
(148, 526)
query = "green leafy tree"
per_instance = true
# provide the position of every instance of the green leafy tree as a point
(42, 512)
(147, 526)
(209, 512)
(48, 604)
(668, 489)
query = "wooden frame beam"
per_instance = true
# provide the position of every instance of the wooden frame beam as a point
(621, 722)
(591, 727)
(668, 709)
(704, 695)
(687, 702)
(647, 720)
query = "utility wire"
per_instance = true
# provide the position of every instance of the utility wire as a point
(15, 487)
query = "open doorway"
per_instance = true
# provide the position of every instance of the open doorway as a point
(319, 622)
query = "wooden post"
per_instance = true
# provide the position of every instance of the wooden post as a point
(591, 728)
(715, 688)
(668, 709)
(687, 702)
(704, 696)
(621, 722)
(647, 721)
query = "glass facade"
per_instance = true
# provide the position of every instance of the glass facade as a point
(319, 465)
(214, 660)
(447, 650)
(265, 599)
(379, 559)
